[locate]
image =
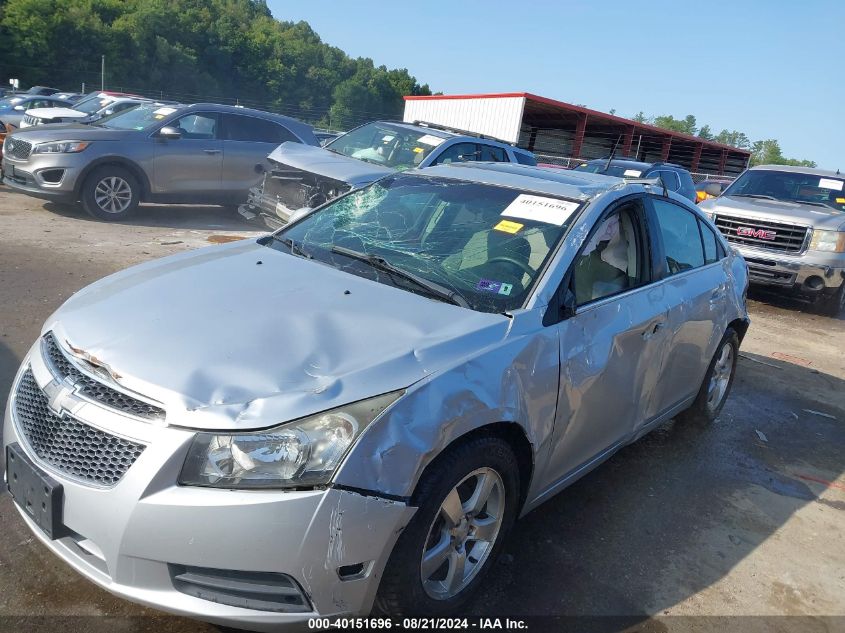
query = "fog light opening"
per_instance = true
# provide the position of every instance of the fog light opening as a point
(815, 283)
(53, 176)
(354, 572)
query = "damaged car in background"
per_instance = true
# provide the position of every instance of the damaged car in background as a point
(386, 384)
(302, 178)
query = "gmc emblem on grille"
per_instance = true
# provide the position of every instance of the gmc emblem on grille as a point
(760, 234)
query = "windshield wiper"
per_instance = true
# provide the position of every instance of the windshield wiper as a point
(753, 195)
(380, 263)
(295, 248)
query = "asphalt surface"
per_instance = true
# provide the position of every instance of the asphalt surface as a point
(741, 518)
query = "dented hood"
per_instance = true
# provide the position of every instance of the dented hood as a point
(776, 210)
(323, 162)
(245, 336)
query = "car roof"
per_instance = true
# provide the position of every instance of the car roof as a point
(448, 133)
(303, 130)
(813, 171)
(635, 164)
(556, 182)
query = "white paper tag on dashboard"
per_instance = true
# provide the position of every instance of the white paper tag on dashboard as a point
(632, 173)
(830, 183)
(540, 209)
(430, 139)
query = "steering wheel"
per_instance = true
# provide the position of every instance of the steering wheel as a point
(515, 262)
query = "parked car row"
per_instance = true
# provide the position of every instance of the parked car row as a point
(278, 169)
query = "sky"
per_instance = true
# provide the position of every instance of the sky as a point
(771, 69)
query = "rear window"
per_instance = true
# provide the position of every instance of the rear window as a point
(249, 128)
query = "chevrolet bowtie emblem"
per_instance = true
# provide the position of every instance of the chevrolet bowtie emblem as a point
(63, 399)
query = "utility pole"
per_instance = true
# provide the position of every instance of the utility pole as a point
(102, 72)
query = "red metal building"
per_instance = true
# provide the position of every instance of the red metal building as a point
(563, 133)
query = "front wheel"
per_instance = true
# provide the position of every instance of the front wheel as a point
(110, 193)
(833, 304)
(717, 381)
(467, 503)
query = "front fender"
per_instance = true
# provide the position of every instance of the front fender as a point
(514, 381)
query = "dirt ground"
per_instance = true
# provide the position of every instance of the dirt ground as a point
(743, 518)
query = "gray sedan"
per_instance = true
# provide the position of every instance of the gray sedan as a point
(199, 154)
(355, 410)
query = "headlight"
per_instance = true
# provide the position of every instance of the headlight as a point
(63, 147)
(829, 241)
(301, 453)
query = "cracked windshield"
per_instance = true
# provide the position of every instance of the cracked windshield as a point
(476, 245)
(385, 144)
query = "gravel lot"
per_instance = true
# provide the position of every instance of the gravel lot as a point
(742, 518)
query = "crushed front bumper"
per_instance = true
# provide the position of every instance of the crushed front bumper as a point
(267, 209)
(137, 538)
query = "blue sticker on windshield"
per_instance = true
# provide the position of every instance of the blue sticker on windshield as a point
(488, 285)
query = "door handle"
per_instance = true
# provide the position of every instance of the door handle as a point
(654, 329)
(211, 151)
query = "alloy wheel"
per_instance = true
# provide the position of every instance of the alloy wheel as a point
(113, 194)
(721, 378)
(462, 534)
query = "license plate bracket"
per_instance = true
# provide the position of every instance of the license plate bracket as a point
(35, 492)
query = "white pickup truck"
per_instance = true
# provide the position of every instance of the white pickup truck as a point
(789, 225)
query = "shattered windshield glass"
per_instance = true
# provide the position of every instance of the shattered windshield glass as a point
(477, 245)
(385, 144)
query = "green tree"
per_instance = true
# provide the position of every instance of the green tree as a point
(687, 125)
(705, 133)
(194, 50)
(768, 152)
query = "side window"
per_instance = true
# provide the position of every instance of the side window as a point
(671, 179)
(493, 154)
(458, 153)
(708, 239)
(197, 126)
(248, 128)
(681, 239)
(525, 159)
(612, 260)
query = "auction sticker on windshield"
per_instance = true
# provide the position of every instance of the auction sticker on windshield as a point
(632, 173)
(540, 209)
(507, 226)
(430, 139)
(165, 111)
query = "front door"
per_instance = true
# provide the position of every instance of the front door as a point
(190, 166)
(611, 348)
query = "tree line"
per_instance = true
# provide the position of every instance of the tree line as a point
(197, 49)
(763, 152)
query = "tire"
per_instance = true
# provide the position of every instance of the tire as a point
(402, 590)
(111, 193)
(720, 375)
(833, 304)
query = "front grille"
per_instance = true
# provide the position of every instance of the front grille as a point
(30, 120)
(775, 236)
(17, 148)
(94, 389)
(68, 445)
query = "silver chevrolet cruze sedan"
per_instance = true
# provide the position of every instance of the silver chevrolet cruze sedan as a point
(352, 412)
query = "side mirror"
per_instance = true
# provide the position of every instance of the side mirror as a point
(170, 133)
(713, 189)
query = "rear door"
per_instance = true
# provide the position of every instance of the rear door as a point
(190, 167)
(247, 140)
(696, 284)
(611, 348)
